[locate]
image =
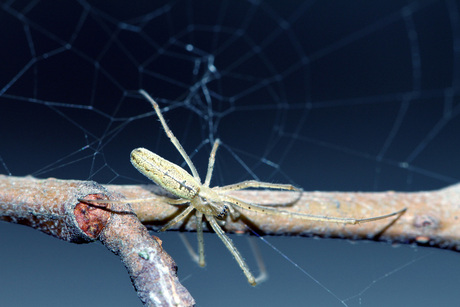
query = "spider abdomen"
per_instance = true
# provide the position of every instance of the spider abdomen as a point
(166, 174)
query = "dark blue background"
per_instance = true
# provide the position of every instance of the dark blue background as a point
(341, 96)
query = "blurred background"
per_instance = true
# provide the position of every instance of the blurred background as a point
(326, 95)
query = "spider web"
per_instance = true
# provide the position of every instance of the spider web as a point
(324, 95)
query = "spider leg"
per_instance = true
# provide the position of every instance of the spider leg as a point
(199, 232)
(231, 247)
(263, 273)
(189, 247)
(171, 136)
(119, 201)
(180, 201)
(178, 218)
(198, 258)
(258, 184)
(212, 159)
(273, 211)
(170, 201)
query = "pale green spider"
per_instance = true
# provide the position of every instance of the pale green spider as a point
(212, 202)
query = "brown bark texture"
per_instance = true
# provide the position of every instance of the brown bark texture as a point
(52, 206)
(432, 218)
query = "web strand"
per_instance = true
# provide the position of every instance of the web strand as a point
(340, 97)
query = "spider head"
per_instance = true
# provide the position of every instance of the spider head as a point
(222, 213)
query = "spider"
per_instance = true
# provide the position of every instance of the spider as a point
(212, 203)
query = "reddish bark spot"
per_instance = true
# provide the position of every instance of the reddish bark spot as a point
(92, 218)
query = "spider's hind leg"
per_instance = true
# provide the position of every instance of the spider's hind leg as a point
(196, 257)
(263, 273)
(231, 247)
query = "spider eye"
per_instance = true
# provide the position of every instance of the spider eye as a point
(222, 213)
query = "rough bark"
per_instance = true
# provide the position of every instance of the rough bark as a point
(52, 206)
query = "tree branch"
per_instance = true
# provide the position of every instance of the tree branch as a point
(52, 206)
(432, 218)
